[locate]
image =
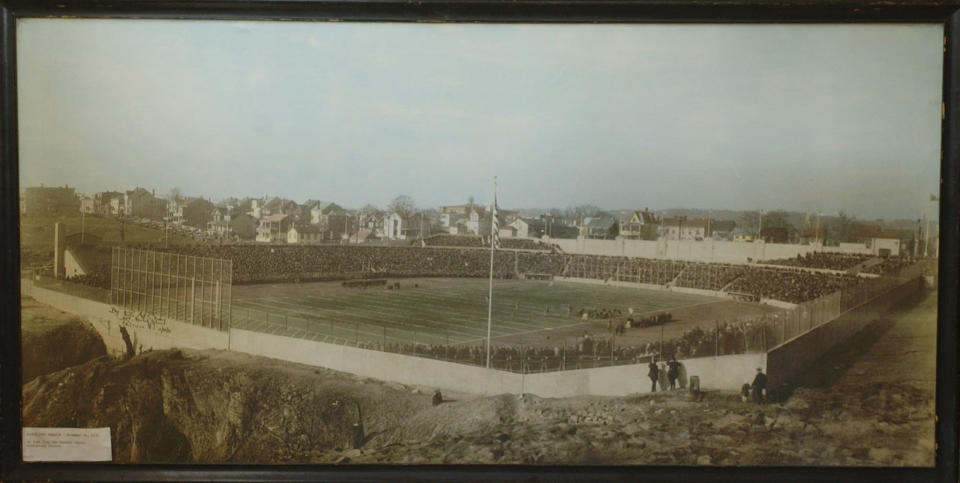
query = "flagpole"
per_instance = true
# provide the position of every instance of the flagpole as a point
(493, 215)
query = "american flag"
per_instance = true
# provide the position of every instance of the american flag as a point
(495, 227)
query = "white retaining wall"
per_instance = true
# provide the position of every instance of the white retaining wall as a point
(698, 251)
(160, 333)
(725, 372)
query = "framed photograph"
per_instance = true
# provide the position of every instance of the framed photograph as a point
(487, 240)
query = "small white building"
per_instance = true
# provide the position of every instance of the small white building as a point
(393, 227)
(304, 234)
(522, 228)
(884, 247)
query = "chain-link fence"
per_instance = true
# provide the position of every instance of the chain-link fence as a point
(196, 290)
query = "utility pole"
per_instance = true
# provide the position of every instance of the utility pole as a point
(760, 230)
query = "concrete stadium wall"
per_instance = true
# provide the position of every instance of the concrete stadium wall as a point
(791, 358)
(160, 333)
(698, 251)
(723, 373)
(375, 364)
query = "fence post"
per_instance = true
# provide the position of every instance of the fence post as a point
(384, 337)
(286, 322)
(563, 360)
(716, 347)
(357, 333)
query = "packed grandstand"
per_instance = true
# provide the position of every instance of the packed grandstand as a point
(272, 263)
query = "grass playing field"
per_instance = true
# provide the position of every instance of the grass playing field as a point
(436, 311)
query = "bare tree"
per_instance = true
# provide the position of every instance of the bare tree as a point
(403, 205)
(175, 194)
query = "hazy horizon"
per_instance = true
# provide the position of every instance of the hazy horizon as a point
(803, 118)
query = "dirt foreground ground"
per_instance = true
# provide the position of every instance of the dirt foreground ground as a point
(870, 403)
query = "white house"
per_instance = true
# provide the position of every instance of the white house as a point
(522, 228)
(304, 234)
(393, 227)
(680, 229)
(273, 228)
(473, 222)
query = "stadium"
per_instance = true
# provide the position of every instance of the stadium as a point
(551, 310)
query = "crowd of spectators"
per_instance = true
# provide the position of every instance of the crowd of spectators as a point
(588, 351)
(889, 266)
(94, 279)
(826, 260)
(477, 241)
(790, 285)
(709, 276)
(271, 263)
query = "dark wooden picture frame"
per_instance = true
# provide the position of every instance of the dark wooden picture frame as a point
(574, 11)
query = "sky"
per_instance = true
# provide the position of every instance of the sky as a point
(809, 118)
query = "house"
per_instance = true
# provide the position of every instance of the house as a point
(256, 208)
(320, 212)
(521, 228)
(722, 229)
(103, 203)
(117, 206)
(393, 225)
(219, 228)
(273, 228)
(683, 229)
(244, 226)
(741, 234)
(775, 234)
(195, 212)
(144, 204)
(600, 227)
(456, 209)
(508, 231)
(220, 224)
(304, 233)
(642, 225)
(41, 200)
(458, 229)
(88, 205)
(472, 221)
(338, 227)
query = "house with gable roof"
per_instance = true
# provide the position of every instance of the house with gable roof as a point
(642, 225)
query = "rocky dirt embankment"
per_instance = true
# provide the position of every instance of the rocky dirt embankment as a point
(53, 340)
(215, 406)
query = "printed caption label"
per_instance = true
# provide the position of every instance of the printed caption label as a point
(66, 444)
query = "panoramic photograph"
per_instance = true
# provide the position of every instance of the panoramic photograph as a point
(499, 244)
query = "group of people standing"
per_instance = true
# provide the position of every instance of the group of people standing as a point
(666, 374)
